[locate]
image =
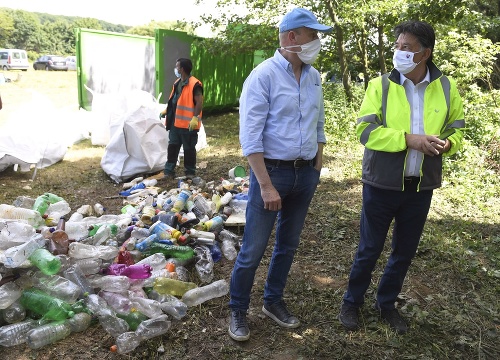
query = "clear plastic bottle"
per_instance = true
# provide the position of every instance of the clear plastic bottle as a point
(193, 233)
(45, 261)
(204, 293)
(157, 261)
(110, 283)
(202, 204)
(47, 334)
(57, 286)
(172, 287)
(83, 251)
(147, 329)
(88, 266)
(228, 249)
(17, 255)
(75, 275)
(204, 263)
(49, 307)
(24, 202)
(9, 293)
(173, 307)
(119, 303)
(15, 231)
(14, 313)
(76, 230)
(31, 216)
(80, 322)
(150, 308)
(15, 334)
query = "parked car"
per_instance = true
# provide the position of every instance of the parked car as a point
(13, 59)
(71, 62)
(50, 62)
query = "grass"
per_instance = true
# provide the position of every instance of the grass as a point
(450, 297)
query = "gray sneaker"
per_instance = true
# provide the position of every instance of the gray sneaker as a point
(238, 326)
(279, 313)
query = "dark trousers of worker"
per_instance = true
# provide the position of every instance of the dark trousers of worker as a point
(187, 139)
(409, 211)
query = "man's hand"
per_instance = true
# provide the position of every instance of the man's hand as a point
(193, 124)
(271, 197)
(430, 145)
(163, 113)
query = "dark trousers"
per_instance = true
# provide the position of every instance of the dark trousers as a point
(409, 210)
(187, 139)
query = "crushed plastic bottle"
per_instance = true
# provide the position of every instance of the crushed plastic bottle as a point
(47, 334)
(15, 334)
(201, 294)
(49, 307)
(32, 217)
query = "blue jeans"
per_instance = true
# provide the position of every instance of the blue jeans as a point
(296, 187)
(409, 210)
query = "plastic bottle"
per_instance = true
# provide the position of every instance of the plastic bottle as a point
(14, 313)
(172, 287)
(148, 307)
(45, 261)
(75, 275)
(202, 204)
(99, 209)
(168, 218)
(204, 263)
(83, 251)
(59, 241)
(87, 266)
(133, 318)
(15, 334)
(216, 252)
(15, 231)
(148, 329)
(228, 249)
(214, 224)
(17, 255)
(148, 212)
(144, 244)
(175, 251)
(76, 230)
(164, 231)
(58, 209)
(180, 202)
(137, 271)
(125, 257)
(193, 233)
(47, 334)
(204, 293)
(41, 204)
(182, 273)
(49, 307)
(171, 305)
(110, 283)
(107, 317)
(9, 293)
(32, 217)
(24, 202)
(57, 286)
(133, 182)
(119, 303)
(157, 261)
(80, 322)
(140, 233)
(103, 233)
(142, 185)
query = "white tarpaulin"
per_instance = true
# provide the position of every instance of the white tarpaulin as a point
(39, 134)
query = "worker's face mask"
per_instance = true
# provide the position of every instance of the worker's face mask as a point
(177, 73)
(403, 61)
(309, 52)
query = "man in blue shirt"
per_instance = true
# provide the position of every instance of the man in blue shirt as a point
(282, 136)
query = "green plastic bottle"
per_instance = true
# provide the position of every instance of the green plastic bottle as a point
(49, 307)
(133, 318)
(45, 261)
(171, 251)
(41, 204)
(163, 285)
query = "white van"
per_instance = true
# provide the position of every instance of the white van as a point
(13, 59)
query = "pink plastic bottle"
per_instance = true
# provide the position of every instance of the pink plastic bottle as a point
(136, 271)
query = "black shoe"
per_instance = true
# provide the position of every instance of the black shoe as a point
(349, 317)
(279, 313)
(394, 319)
(238, 326)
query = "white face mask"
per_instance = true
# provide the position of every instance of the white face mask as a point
(177, 73)
(309, 52)
(403, 61)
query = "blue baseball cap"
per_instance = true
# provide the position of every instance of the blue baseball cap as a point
(299, 17)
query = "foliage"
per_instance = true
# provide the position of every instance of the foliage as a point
(149, 29)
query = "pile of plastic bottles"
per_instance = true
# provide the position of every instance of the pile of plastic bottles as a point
(129, 272)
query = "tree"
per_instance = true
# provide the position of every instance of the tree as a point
(149, 29)
(6, 27)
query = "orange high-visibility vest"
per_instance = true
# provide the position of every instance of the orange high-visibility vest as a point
(185, 104)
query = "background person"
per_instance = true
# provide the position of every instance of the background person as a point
(402, 165)
(281, 134)
(183, 119)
